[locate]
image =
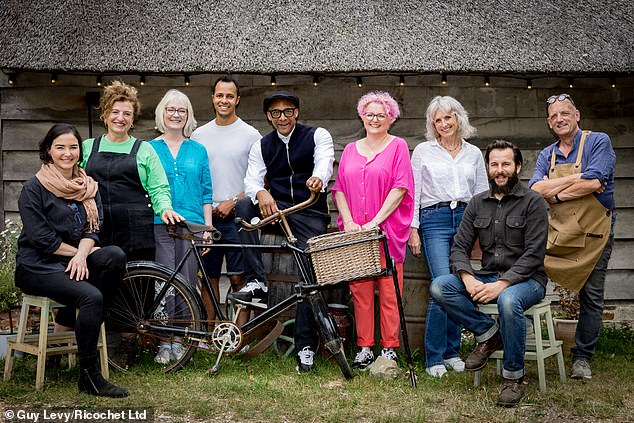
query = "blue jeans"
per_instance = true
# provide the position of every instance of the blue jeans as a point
(452, 295)
(591, 301)
(438, 225)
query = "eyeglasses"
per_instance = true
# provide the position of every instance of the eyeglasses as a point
(174, 110)
(276, 114)
(560, 97)
(380, 117)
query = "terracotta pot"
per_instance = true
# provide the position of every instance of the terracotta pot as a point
(565, 331)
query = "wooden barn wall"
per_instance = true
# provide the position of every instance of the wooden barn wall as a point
(505, 110)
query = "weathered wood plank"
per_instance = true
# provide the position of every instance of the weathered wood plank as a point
(624, 192)
(489, 108)
(24, 135)
(624, 227)
(11, 193)
(12, 216)
(619, 285)
(622, 254)
(19, 165)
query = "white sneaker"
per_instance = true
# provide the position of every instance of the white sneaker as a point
(164, 355)
(305, 360)
(389, 353)
(177, 351)
(436, 371)
(363, 360)
(456, 364)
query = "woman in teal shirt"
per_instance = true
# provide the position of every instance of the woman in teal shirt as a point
(187, 168)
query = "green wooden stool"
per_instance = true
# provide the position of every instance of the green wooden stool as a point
(538, 349)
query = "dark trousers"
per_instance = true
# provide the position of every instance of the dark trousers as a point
(305, 224)
(591, 302)
(106, 267)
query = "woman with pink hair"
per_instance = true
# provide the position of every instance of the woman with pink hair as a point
(374, 188)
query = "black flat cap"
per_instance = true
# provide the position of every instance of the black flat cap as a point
(280, 95)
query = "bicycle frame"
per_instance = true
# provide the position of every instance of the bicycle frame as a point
(306, 280)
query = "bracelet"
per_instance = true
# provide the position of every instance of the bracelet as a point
(557, 199)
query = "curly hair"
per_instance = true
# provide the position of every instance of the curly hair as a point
(119, 91)
(384, 99)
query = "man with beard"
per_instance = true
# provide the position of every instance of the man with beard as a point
(512, 224)
(576, 176)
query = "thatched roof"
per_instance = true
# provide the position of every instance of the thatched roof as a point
(307, 36)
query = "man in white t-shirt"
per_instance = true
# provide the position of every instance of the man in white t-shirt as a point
(228, 140)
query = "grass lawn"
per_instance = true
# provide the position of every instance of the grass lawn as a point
(268, 389)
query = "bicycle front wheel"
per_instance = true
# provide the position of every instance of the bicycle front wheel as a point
(138, 334)
(329, 335)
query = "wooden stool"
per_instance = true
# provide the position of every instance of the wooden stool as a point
(47, 344)
(538, 349)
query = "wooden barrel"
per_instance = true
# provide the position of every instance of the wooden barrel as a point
(416, 281)
(282, 275)
(281, 272)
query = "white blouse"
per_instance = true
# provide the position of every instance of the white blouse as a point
(438, 177)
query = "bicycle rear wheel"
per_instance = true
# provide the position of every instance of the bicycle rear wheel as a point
(135, 333)
(329, 335)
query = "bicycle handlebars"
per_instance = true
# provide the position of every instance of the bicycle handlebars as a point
(281, 214)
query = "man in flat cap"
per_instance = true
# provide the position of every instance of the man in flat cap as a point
(295, 160)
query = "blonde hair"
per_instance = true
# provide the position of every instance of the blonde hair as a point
(175, 96)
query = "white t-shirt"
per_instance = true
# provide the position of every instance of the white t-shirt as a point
(228, 151)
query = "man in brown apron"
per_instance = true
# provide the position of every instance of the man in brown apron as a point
(576, 176)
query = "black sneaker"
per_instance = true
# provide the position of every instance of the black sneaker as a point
(305, 360)
(363, 360)
(253, 294)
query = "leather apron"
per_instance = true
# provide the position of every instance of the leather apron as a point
(128, 215)
(578, 230)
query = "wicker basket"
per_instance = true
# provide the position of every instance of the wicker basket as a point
(345, 256)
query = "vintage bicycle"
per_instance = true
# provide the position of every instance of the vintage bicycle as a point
(156, 304)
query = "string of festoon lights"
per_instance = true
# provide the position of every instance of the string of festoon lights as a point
(317, 79)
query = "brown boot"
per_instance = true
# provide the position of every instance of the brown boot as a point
(479, 357)
(511, 392)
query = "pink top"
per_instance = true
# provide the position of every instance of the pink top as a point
(366, 185)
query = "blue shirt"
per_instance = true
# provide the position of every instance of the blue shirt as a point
(189, 178)
(597, 162)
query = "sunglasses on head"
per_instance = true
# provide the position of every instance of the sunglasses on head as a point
(560, 97)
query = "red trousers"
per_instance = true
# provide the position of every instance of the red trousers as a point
(363, 299)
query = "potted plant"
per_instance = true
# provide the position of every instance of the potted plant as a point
(567, 317)
(10, 295)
